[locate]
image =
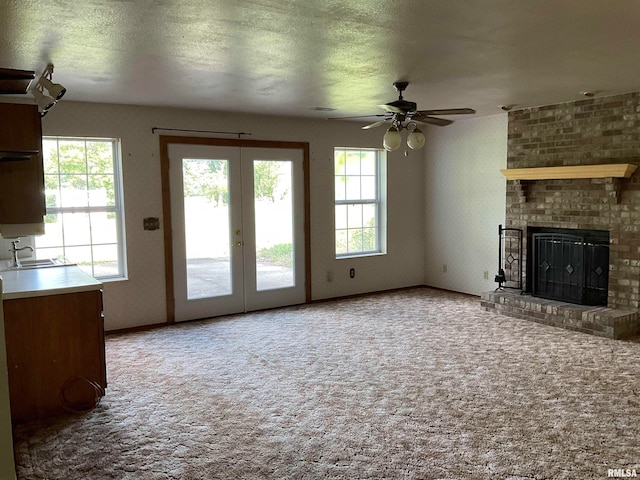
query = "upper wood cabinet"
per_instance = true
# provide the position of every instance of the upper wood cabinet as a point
(22, 198)
(20, 131)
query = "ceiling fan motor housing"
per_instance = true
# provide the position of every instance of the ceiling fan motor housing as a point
(404, 106)
(401, 105)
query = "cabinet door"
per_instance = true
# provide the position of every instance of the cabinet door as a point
(22, 198)
(20, 129)
(55, 353)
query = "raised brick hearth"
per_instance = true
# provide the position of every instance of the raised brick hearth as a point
(589, 132)
(601, 321)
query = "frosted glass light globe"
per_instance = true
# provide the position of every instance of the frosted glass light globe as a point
(416, 139)
(392, 139)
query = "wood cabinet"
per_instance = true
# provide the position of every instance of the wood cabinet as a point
(55, 354)
(21, 131)
(22, 198)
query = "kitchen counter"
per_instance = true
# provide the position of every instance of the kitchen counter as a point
(38, 282)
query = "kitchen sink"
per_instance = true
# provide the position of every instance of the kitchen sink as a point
(40, 263)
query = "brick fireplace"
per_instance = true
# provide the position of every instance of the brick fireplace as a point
(593, 132)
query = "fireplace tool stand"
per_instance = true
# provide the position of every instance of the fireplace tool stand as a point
(509, 259)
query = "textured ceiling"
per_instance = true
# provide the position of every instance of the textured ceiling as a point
(287, 57)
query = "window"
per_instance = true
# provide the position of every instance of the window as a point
(360, 189)
(85, 220)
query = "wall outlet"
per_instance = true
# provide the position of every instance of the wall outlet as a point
(352, 273)
(444, 268)
(329, 275)
(486, 274)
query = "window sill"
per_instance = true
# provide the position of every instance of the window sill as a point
(360, 255)
(112, 279)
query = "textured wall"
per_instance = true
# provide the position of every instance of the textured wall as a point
(465, 199)
(594, 131)
(140, 300)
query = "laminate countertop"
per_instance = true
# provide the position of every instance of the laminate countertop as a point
(40, 282)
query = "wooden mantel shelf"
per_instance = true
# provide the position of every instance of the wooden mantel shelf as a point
(612, 170)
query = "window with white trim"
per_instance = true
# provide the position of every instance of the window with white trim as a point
(360, 191)
(85, 215)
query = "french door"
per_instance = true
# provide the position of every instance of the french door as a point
(238, 239)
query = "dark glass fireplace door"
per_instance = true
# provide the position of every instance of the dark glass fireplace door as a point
(571, 268)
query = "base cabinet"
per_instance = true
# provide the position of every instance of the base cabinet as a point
(55, 354)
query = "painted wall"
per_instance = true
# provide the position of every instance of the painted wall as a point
(140, 300)
(464, 194)
(7, 469)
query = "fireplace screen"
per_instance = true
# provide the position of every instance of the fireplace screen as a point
(571, 265)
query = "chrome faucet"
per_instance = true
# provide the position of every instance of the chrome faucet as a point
(15, 250)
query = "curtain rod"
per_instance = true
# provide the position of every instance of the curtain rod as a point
(153, 131)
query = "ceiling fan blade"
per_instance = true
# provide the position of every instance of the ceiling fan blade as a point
(441, 122)
(391, 108)
(448, 111)
(377, 124)
(358, 116)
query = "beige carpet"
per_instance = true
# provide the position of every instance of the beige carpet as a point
(415, 384)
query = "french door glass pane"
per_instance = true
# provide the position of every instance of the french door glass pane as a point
(206, 222)
(273, 201)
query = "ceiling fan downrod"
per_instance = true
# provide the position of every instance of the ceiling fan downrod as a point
(400, 87)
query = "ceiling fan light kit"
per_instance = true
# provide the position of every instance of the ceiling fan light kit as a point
(393, 139)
